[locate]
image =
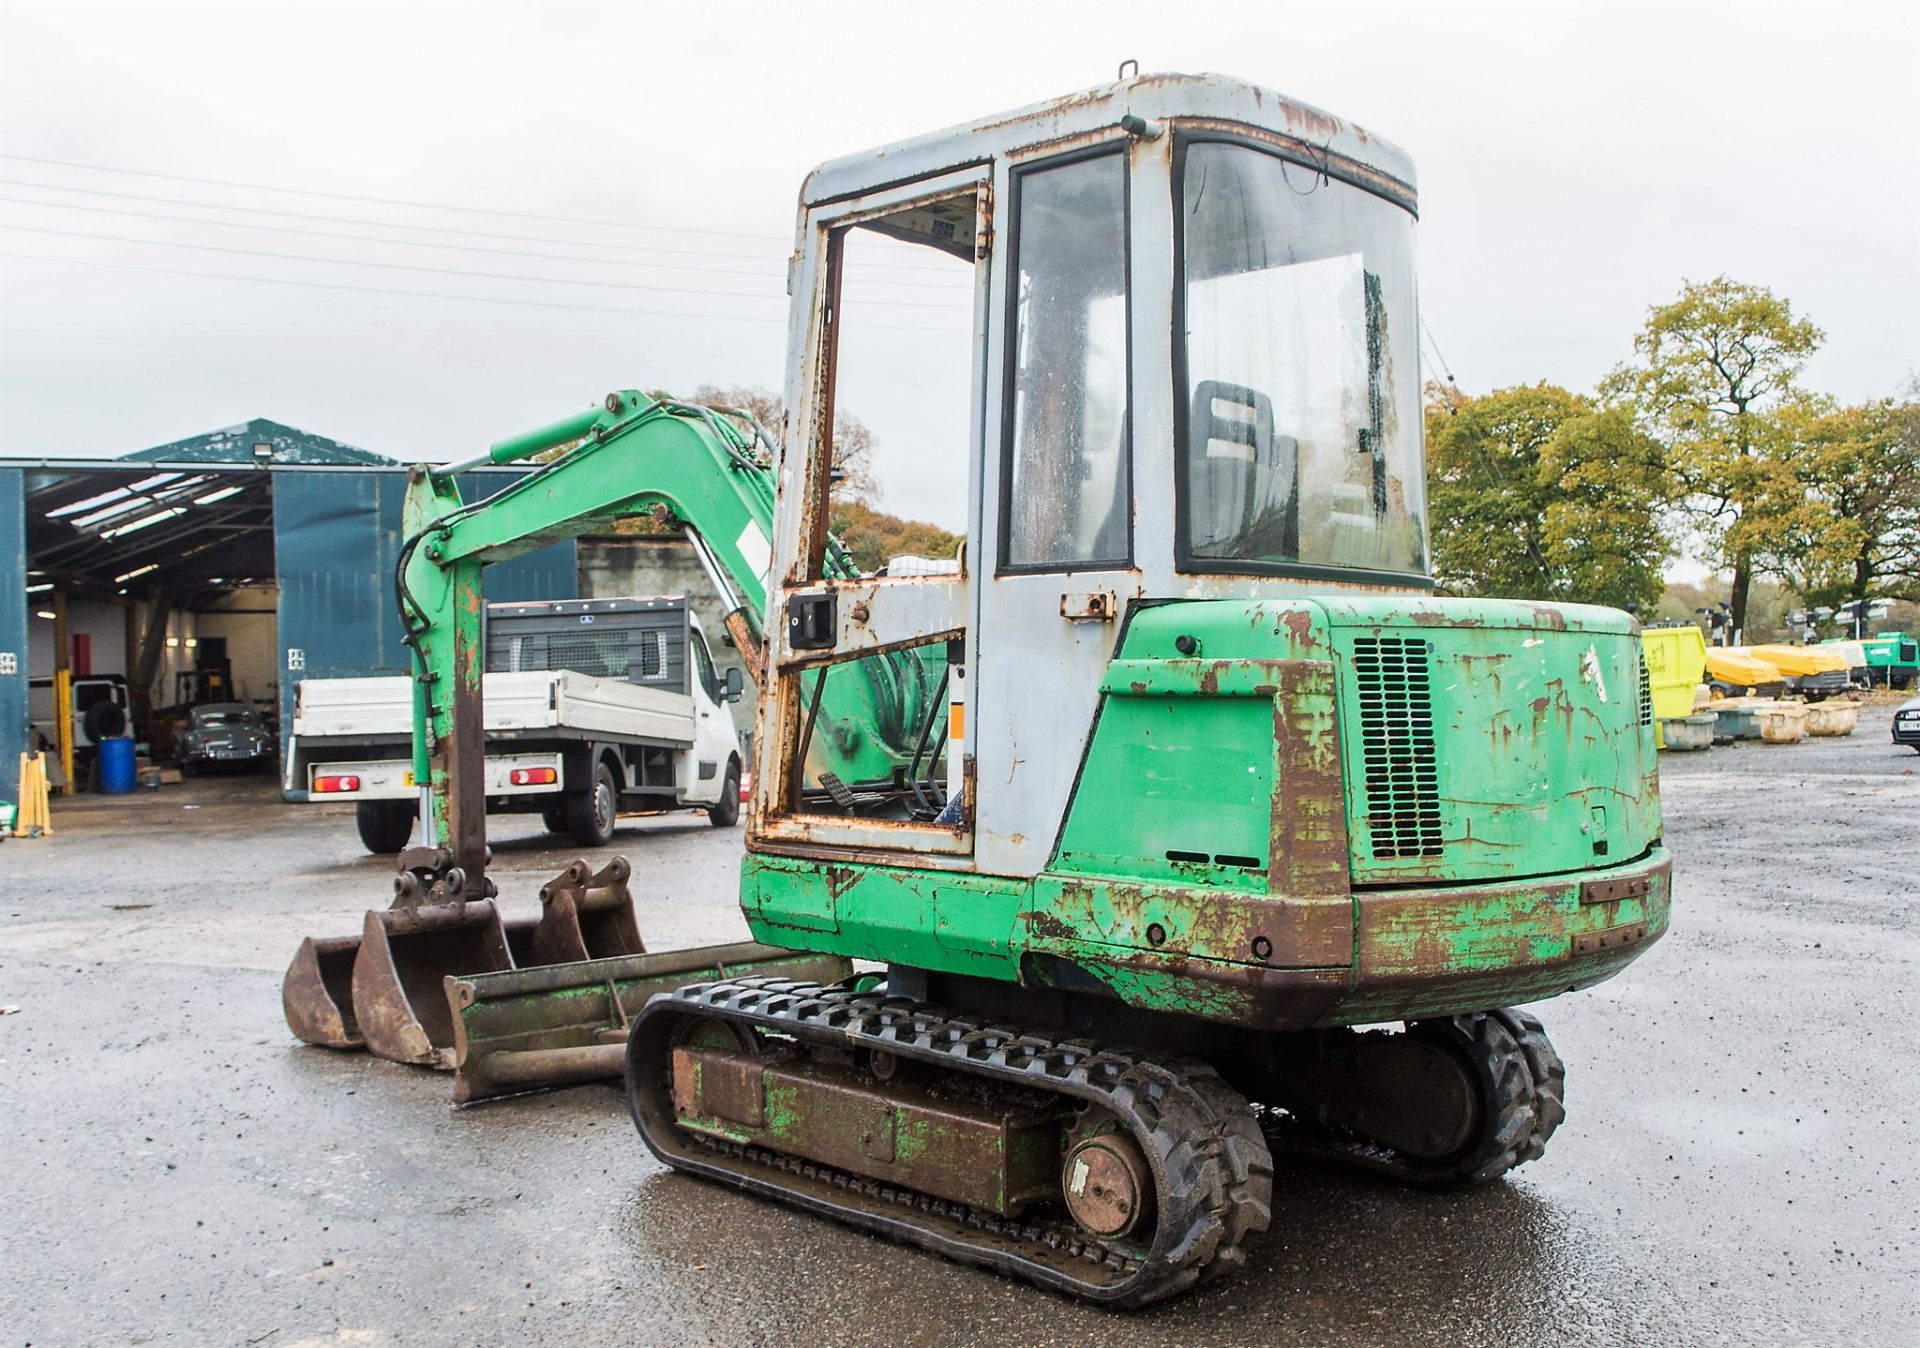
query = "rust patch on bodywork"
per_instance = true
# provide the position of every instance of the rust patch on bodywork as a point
(1300, 622)
(1308, 849)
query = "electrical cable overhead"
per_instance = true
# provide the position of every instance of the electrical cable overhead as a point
(441, 295)
(455, 247)
(388, 201)
(1444, 365)
(776, 262)
(448, 271)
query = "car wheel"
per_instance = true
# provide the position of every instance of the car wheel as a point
(590, 813)
(725, 812)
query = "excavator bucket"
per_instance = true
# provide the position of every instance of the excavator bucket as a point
(529, 1029)
(384, 989)
(405, 954)
(317, 993)
(586, 916)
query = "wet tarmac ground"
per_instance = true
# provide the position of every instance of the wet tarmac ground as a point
(1740, 1163)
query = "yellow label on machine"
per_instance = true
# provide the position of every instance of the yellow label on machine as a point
(956, 721)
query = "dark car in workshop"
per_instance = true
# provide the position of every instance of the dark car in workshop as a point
(1906, 724)
(222, 734)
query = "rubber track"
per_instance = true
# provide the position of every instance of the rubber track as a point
(1549, 1078)
(1212, 1167)
(1522, 1080)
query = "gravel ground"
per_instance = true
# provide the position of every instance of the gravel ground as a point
(1739, 1164)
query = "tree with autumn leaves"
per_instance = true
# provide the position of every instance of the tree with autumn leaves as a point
(1540, 493)
(1707, 438)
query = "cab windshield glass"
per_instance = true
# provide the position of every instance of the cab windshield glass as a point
(1300, 442)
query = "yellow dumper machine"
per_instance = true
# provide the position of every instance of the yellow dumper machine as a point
(1676, 669)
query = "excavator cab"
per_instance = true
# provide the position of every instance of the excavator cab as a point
(1189, 827)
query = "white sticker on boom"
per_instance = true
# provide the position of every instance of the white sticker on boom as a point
(753, 546)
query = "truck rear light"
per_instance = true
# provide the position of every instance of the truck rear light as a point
(344, 782)
(533, 777)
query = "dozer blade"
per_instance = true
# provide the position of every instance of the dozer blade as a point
(317, 993)
(527, 1029)
(398, 976)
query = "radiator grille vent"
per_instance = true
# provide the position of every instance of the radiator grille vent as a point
(1646, 690)
(1396, 736)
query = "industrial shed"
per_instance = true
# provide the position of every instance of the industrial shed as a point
(257, 555)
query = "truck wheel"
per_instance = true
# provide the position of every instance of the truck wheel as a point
(726, 811)
(555, 818)
(590, 813)
(385, 825)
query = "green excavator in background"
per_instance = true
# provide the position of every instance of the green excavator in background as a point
(1179, 827)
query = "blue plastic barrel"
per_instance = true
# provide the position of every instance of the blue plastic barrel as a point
(116, 766)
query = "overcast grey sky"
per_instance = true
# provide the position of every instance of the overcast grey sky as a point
(1576, 162)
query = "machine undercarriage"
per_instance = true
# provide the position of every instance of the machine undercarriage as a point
(1120, 1175)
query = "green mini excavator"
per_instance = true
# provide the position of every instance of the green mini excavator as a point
(1178, 827)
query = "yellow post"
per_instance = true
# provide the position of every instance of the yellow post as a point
(63, 724)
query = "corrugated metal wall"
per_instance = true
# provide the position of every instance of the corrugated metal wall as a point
(336, 541)
(13, 630)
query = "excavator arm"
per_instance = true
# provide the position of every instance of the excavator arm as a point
(631, 456)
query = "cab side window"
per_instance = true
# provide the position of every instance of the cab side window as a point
(1068, 499)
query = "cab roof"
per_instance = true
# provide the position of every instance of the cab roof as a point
(1207, 98)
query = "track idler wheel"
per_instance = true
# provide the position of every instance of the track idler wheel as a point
(1446, 1103)
(1105, 1179)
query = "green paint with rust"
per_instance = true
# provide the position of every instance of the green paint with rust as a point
(1220, 856)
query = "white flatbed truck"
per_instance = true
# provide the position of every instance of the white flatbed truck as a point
(592, 707)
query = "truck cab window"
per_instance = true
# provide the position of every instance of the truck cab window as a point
(703, 666)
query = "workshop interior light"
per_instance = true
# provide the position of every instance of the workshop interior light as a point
(40, 589)
(46, 613)
(262, 450)
(137, 571)
(173, 641)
